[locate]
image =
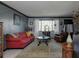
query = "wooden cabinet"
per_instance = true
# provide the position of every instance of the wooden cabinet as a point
(1, 39)
(47, 33)
(67, 52)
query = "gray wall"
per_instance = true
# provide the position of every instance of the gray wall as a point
(6, 16)
(31, 20)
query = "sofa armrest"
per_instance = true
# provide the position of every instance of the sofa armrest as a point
(12, 40)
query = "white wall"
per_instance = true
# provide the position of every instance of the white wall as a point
(61, 25)
(36, 27)
(56, 29)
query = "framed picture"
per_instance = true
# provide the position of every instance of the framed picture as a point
(16, 19)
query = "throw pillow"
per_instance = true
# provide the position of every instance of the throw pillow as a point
(28, 33)
(15, 35)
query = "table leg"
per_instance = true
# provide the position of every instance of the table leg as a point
(39, 43)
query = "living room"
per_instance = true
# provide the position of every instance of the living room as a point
(39, 29)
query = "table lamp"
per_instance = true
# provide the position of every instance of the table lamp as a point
(69, 40)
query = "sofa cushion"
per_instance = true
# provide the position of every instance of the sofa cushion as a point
(28, 33)
(22, 35)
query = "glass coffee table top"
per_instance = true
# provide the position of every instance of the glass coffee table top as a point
(43, 39)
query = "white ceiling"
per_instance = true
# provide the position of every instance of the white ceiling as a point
(44, 8)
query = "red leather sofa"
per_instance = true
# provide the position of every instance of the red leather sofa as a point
(19, 42)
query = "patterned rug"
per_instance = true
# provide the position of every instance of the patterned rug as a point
(53, 50)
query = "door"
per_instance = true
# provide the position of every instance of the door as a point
(1, 39)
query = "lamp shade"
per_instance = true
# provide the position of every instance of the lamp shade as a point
(69, 39)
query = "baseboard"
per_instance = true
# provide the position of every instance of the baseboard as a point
(5, 49)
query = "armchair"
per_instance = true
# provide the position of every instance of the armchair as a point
(61, 37)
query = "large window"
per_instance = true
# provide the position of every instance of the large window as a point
(45, 25)
(49, 25)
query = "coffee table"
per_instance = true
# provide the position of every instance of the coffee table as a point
(43, 39)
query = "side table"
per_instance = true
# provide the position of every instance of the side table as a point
(67, 52)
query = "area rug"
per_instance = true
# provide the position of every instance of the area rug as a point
(53, 50)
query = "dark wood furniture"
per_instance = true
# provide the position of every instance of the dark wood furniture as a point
(67, 52)
(43, 39)
(46, 33)
(62, 37)
(58, 38)
(1, 40)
